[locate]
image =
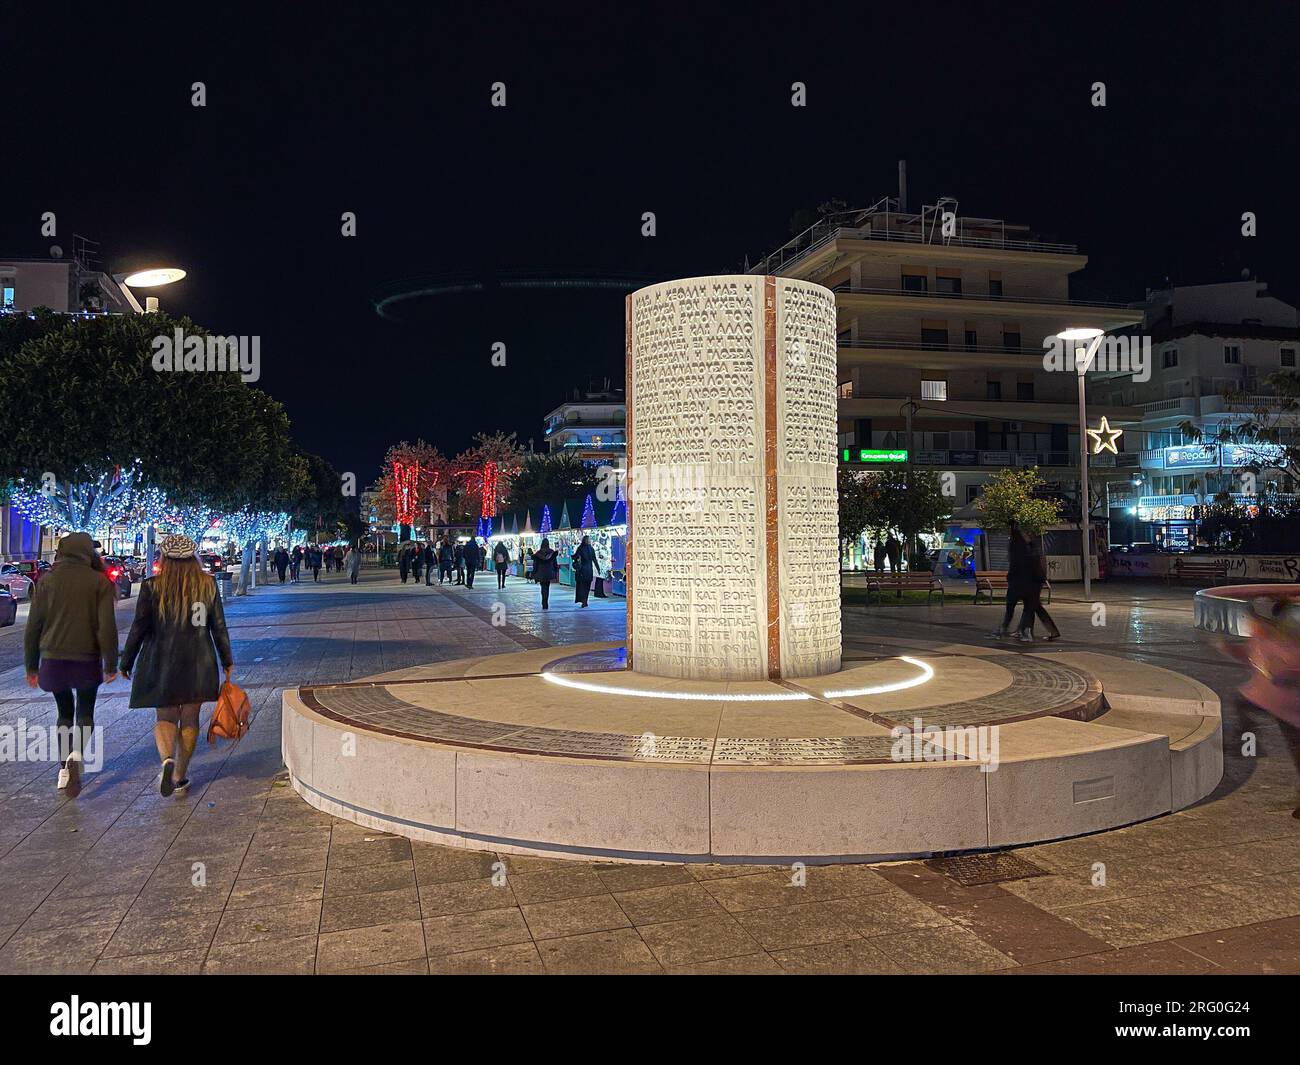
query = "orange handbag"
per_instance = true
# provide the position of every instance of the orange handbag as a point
(230, 718)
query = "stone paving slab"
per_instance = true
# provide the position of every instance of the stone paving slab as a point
(264, 849)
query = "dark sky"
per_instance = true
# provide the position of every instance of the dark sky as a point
(383, 109)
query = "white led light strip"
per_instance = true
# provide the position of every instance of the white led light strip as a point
(736, 697)
(602, 689)
(927, 672)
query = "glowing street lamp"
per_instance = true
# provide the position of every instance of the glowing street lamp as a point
(153, 278)
(1083, 357)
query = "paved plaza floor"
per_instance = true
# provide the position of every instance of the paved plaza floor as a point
(243, 876)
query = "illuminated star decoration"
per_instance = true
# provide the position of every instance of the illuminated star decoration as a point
(1103, 438)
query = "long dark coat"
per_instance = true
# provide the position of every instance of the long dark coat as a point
(174, 663)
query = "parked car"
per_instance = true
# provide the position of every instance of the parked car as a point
(134, 565)
(212, 562)
(19, 584)
(8, 607)
(32, 568)
(119, 576)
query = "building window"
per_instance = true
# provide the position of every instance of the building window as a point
(845, 390)
(948, 285)
(1287, 357)
(1169, 358)
(1231, 354)
(7, 294)
(993, 390)
(1011, 340)
(972, 339)
(934, 390)
(934, 338)
(915, 283)
(1024, 391)
(995, 286)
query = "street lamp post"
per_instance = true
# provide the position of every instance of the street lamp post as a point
(150, 278)
(1082, 360)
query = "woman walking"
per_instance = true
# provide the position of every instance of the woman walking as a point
(501, 559)
(281, 558)
(352, 561)
(584, 560)
(178, 635)
(546, 568)
(70, 645)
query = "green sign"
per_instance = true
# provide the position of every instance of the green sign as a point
(867, 454)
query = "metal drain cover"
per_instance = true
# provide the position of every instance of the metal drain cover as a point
(972, 869)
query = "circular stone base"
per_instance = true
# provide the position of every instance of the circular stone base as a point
(562, 751)
(1225, 609)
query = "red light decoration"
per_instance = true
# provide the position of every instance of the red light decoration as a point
(406, 490)
(488, 480)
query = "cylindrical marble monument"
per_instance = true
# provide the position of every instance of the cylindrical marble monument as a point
(734, 561)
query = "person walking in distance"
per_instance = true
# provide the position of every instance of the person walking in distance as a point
(352, 562)
(546, 568)
(1026, 574)
(894, 552)
(281, 559)
(472, 559)
(430, 561)
(460, 564)
(584, 562)
(295, 563)
(1033, 596)
(446, 557)
(70, 645)
(501, 560)
(404, 560)
(313, 562)
(171, 655)
(417, 561)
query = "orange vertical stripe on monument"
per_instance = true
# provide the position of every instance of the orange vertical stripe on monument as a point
(627, 471)
(769, 479)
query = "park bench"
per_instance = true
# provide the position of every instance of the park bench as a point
(904, 582)
(989, 581)
(1202, 570)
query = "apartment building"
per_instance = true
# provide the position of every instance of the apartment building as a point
(591, 425)
(1208, 342)
(67, 285)
(70, 286)
(942, 322)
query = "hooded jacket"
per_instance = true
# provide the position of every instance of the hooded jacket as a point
(72, 610)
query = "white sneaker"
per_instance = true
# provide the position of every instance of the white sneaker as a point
(70, 772)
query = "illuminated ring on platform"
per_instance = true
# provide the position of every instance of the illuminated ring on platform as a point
(927, 673)
(708, 697)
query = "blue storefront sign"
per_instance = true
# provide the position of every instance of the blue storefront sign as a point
(1191, 455)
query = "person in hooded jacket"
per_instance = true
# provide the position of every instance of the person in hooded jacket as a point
(546, 568)
(585, 567)
(171, 655)
(70, 645)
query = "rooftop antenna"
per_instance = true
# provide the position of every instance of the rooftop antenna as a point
(902, 186)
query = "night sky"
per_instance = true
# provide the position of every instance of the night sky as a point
(383, 109)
